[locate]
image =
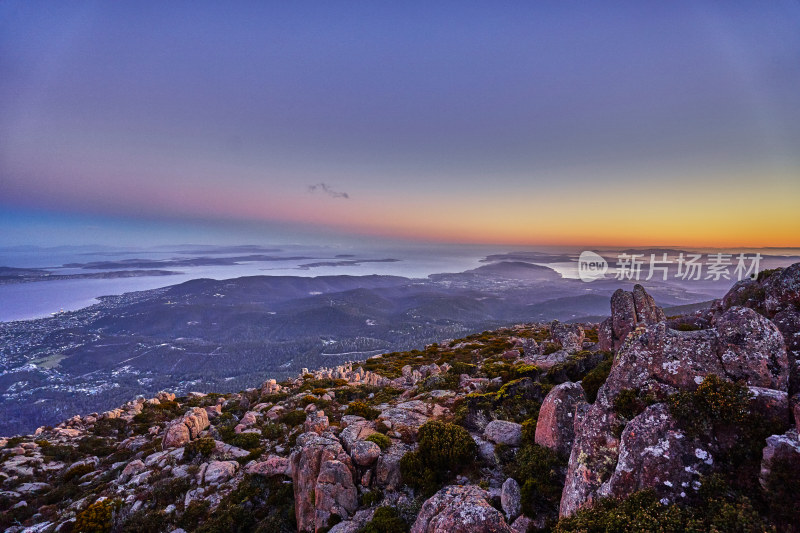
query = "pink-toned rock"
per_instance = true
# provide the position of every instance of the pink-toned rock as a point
(356, 430)
(273, 466)
(555, 428)
(364, 452)
(335, 493)
(311, 452)
(628, 309)
(460, 509)
(522, 524)
(403, 420)
(316, 422)
(196, 420)
(131, 469)
(176, 435)
(186, 428)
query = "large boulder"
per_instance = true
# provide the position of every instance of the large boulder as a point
(628, 310)
(555, 428)
(460, 509)
(752, 349)
(311, 452)
(176, 435)
(188, 427)
(355, 430)
(316, 422)
(365, 452)
(334, 493)
(659, 361)
(653, 453)
(219, 471)
(503, 432)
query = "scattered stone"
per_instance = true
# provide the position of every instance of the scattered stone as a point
(503, 432)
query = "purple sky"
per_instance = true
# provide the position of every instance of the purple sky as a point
(455, 121)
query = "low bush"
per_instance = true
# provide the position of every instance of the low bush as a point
(246, 441)
(97, 518)
(380, 439)
(596, 378)
(540, 473)
(292, 418)
(385, 520)
(714, 511)
(359, 408)
(200, 448)
(444, 450)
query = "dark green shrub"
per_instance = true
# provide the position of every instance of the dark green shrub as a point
(444, 450)
(385, 520)
(716, 510)
(516, 401)
(272, 431)
(202, 448)
(629, 403)
(98, 446)
(246, 441)
(459, 367)
(380, 439)
(263, 505)
(359, 408)
(194, 515)
(370, 498)
(540, 473)
(715, 402)
(58, 452)
(782, 490)
(595, 379)
(145, 521)
(167, 491)
(76, 472)
(687, 327)
(107, 427)
(292, 418)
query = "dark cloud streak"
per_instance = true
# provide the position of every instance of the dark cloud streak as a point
(325, 188)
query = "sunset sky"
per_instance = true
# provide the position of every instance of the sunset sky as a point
(603, 123)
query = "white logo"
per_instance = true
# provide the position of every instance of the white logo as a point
(591, 266)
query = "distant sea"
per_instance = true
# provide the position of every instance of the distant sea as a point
(24, 301)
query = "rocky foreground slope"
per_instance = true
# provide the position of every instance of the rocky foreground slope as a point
(641, 423)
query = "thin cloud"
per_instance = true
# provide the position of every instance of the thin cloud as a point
(326, 189)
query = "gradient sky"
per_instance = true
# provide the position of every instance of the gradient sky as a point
(624, 123)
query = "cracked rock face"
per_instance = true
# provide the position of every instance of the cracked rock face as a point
(460, 509)
(654, 453)
(306, 463)
(742, 345)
